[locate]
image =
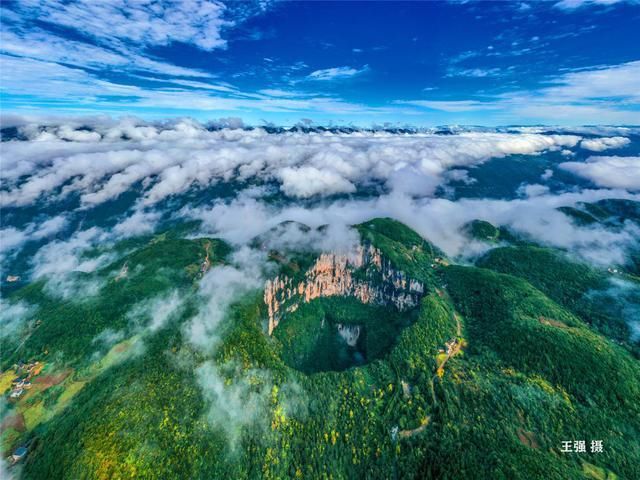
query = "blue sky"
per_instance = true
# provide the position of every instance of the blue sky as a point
(485, 63)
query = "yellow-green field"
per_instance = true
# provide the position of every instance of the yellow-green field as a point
(5, 380)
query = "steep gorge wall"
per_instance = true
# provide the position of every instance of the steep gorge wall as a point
(333, 274)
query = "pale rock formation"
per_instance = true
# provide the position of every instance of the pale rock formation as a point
(332, 274)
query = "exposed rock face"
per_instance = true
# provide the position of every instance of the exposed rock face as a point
(333, 274)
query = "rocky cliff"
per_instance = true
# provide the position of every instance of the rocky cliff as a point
(366, 275)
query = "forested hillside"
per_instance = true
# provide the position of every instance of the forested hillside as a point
(484, 377)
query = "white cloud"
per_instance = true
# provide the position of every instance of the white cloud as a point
(306, 182)
(238, 403)
(620, 81)
(60, 86)
(604, 143)
(597, 95)
(336, 73)
(240, 397)
(50, 227)
(137, 223)
(452, 105)
(437, 219)
(63, 256)
(460, 175)
(12, 239)
(37, 44)
(532, 190)
(600, 94)
(13, 316)
(596, 130)
(59, 260)
(245, 218)
(108, 337)
(67, 72)
(474, 72)
(157, 312)
(196, 22)
(569, 5)
(548, 173)
(171, 158)
(611, 172)
(219, 288)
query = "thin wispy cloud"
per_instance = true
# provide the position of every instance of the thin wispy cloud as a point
(570, 5)
(336, 73)
(475, 72)
(451, 105)
(582, 95)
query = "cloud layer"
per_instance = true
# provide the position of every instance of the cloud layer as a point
(103, 162)
(611, 172)
(605, 143)
(169, 170)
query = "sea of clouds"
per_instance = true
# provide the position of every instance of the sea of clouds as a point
(106, 161)
(57, 173)
(329, 177)
(58, 178)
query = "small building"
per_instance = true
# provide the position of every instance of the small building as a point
(16, 393)
(451, 344)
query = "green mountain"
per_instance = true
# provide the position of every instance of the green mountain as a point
(386, 362)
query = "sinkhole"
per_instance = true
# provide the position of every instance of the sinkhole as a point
(338, 333)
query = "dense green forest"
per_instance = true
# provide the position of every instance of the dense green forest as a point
(496, 366)
(604, 296)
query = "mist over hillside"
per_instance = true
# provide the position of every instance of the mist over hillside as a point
(196, 300)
